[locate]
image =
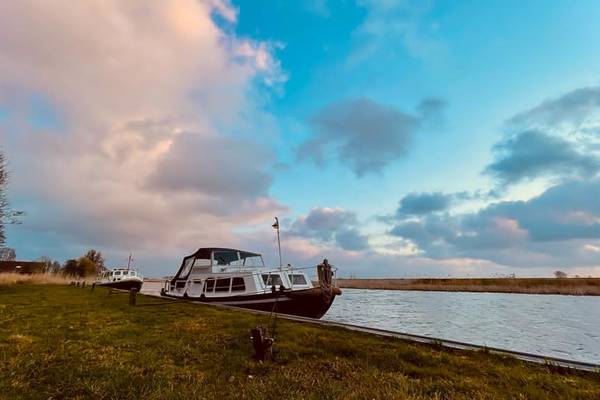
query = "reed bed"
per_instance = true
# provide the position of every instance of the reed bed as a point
(565, 286)
(13, 278)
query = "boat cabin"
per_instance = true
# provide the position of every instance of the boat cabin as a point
(219, 272)
(117, 274)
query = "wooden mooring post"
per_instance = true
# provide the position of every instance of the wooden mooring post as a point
(132, 296)
(263, 345)
(83, 284)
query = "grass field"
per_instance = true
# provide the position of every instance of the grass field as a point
(568, 286)
(67, 342)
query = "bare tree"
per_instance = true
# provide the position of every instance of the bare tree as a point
(560, 274)
(7, 214)
(49, 265)
(7, 254)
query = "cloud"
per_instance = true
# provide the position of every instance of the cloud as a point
(139, 87)
(219, 167)
(574, 108)
(391, 28)
(318, 7)
(331, 226)
(532, 154)
(423, 203)
(554, 228)
(362, 133)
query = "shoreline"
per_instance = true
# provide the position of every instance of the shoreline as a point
(563, 286)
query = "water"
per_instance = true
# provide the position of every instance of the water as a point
(549, 325)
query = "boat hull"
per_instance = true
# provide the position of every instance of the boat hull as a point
(311, 303)
(126, 284)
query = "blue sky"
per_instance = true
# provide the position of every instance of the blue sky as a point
(424, 136)
(486, 60)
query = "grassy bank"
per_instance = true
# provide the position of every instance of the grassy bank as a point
(68, 342)
(568, 286)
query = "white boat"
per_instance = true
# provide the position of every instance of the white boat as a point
(240, 278)
(120, 278)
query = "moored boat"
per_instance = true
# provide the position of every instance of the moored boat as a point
(239, 278)
(120, 278)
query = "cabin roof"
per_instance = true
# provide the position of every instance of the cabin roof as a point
(204, 252)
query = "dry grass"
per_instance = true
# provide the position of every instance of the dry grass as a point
(13, 278)
(567, 286)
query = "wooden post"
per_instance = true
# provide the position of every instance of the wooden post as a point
(77, 284)
(132, 296)
(93, 286)
(83, 284)
(263, 345)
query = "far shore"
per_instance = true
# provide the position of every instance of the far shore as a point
(566, 286)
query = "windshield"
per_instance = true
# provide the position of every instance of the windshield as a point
(253, 261)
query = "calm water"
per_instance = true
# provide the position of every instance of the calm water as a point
(559, 326)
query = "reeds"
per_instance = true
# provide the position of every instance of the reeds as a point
(567, 286)
(13, 278)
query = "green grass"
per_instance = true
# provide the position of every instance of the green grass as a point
(67, 342)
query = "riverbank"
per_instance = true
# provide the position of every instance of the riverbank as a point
(566, 286)
(68, 342)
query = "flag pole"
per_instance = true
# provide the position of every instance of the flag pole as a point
(276, 226)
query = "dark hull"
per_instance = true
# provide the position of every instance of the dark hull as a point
(312, 303)
(122, 285)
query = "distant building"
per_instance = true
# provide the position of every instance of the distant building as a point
(22, 267)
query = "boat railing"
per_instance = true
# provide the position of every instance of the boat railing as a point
(261, 271)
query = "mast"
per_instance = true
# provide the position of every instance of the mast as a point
(276, 226)
(128, 261)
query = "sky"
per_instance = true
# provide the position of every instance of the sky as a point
(395, 138)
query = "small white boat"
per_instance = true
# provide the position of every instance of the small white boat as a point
(240, 278)
(120, 278)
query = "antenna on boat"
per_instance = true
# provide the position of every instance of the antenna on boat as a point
(276, 226)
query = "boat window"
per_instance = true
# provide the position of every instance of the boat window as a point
(271, 279)
(253, 261)
(209, 285)
(117, 272)
(238, 285)
(223, 258)
(297, 279)
(202, 262)
(187, 266)
(222, 285)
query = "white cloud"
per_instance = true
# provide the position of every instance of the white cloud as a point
(129, 80)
